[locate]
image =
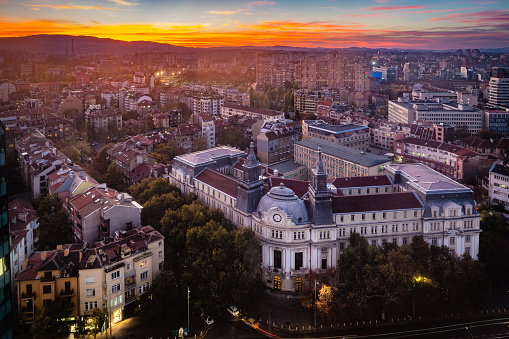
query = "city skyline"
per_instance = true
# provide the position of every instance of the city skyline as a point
(326, 23)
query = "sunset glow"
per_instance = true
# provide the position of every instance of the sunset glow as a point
(325, 23)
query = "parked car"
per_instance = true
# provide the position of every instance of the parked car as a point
(233, 311)
(208, 320)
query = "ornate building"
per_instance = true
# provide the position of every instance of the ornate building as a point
(305, 226)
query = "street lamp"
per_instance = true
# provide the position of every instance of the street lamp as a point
(471, 335)
(188, 330)
(315, 302)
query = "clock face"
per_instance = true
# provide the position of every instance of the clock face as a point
(277, 217)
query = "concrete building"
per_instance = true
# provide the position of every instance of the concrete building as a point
(230, 110)
(47, 275)
(5, 89)
(302, 227)
(277, 145)
(114, 275)
(208, 103)
(497, 121)
(352, 136)
(104, 118)
(499, 186)
(339, 161)
(498, 92)
(451, 160)
(457, 115)
(99, 212)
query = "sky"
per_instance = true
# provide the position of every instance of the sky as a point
(431, 24)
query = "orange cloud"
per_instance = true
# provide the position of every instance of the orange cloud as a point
(223, 12)
(393, 8)
(261, 3)
(268, 33)
(37, 7)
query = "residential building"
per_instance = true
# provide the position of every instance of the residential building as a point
(103, 119)
(306, 101)
(204, 102)
(127, 157)
(352, 136)
(99, 212)
(114, 275)
(387, 73)
(5, 89)
(229, 110)
(208, 129)
(23, 223)
(497, 121)
(47, 275)
(499, 186)
(338, 161)
(275, 146)
(451, 160)
(496, 147)
(498, 92)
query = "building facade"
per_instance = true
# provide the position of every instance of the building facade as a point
(499, 186)
(229, 110)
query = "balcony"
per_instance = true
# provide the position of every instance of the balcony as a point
(28, 309)
(67, 293)
(28, 295)
(130, 273)
(130, 286)
(130, 299)
(47, 278)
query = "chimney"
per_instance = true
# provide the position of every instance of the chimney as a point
(43, 255)
(66, 252)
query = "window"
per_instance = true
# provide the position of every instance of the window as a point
(115, 275)
(298, 284)
(341, 246)
(143, 263)
(299, 260)
(115, 288)
(467, 250)
(352, 217)
(160, 243)
(116, 301)
(405, 241)
(90, 305)
(415, 214)
(434, 241)
(144, 276)
(90, 292)
(373, 242)
(277, 259)
(363, 216)
(161, 265)
(46, 289)
(451, 240)
(384, 215)
(160, 254)
(128, 267)
(143, 288)
(374, 216)
(89, 279)
(467, 238)
(324, 264)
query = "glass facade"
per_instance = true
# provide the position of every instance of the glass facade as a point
(5, 274)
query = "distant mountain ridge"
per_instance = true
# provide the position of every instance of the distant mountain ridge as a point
(62, 44)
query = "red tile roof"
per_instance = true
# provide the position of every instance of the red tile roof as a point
(369, 181)
(380, 202)
(220, 181)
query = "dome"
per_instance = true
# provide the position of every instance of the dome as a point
(284, 199)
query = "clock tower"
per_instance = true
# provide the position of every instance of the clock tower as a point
(320, 196)
(250, 186)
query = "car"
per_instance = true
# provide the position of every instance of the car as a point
(233, 311)
(251, 322)
(208, 320)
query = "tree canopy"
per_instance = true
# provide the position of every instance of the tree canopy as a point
(49, 321)
(233, 137)
(54, 227)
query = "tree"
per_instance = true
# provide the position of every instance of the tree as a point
(155, 208)
(49, 322)
(99, 166)
(326, 304)
(96, 322)
(233, 137)
(164, 153)
(114, 177)
(150, 187)
(199, 144)
(54, 227)
(165, 291)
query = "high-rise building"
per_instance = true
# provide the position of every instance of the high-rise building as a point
(5, 274)
(498, 92)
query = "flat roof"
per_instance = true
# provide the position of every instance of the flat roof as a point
(208, 155)
(426, 178)
(338, 128)
(346, 153)
(285, 166)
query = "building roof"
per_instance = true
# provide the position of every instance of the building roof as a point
(368, 181)
(338, 129)
(299, 187)
(256, 110)
(424, 177)
(222, 182)
(375, 203)
(500, 169)
(346, 153)
(197, 158)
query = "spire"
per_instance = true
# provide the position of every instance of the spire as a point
(319, 166)
(251, 158)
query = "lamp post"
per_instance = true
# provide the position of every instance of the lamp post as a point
(471, 335)
(188, 330)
